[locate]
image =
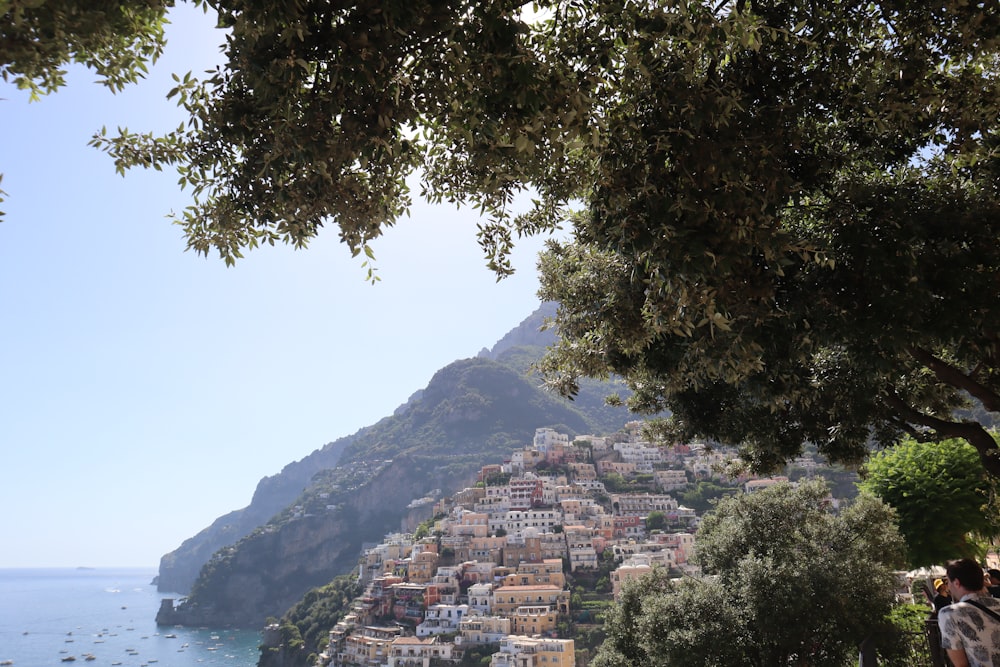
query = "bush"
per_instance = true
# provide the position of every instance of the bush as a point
(902, 643)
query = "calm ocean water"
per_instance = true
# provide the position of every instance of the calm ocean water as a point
(49, 615)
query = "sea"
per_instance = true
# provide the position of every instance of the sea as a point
(104, 617)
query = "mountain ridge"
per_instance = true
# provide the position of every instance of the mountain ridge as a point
(485, 405)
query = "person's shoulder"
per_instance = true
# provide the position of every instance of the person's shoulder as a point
(966, 606)
(958, 607)
(987, 601)
(946, 611)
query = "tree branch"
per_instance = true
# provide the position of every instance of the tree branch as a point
(950, 375)
(972, 432)
(913, 432)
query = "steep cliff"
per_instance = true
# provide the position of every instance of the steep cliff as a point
(529, 333)
(268, 571)
(471, 413)
(313, 517)
(179, 569)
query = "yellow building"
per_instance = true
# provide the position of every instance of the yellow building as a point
(533, 620)
(370, 646)
(507, 599)
(548, 571)
(422, 567)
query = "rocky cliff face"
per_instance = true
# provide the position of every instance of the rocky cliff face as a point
(268, 571)
(528, 333)
(180, 568)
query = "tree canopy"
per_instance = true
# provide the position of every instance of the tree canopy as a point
(784, 214)
(792, 234)
(781, 587)
(118, 40)
(944, 500)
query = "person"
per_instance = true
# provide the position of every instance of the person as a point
(994, 586)
(941, 595)
(970, 625)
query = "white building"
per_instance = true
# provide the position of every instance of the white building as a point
(580, 545)
(481, 598)
(546, 438)
(482, 630)
(641, 504)
(754, 485)
(515, 522)
(517, 651)
(442, 618)
(417, 652)
(670, 480)
(641, 453)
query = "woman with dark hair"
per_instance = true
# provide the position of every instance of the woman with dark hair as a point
(994, 584)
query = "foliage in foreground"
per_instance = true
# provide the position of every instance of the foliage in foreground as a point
(790, 210)
(781, 587)
(116, 39)
(791, 228)
(944, 501)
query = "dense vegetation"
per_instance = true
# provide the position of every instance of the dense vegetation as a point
(777, 588)
(305, 628)
(946, 505)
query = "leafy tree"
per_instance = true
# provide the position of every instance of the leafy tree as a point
(903, 643)
(115, 39)
(790, 211)
(701, 495)
(614, 482)
(780, 587)
(656, 520)
(791, 232)
(944, 501)
(305, 627)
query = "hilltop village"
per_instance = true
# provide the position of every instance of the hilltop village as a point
(490, 569)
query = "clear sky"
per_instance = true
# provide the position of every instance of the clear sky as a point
(145, 390)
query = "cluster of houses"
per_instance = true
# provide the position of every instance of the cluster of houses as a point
(491, 572)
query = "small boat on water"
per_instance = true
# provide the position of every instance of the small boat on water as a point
(69, 658)
(4, 663)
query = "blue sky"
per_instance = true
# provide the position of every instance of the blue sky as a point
(144, 390)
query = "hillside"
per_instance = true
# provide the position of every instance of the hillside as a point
(308, 523)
